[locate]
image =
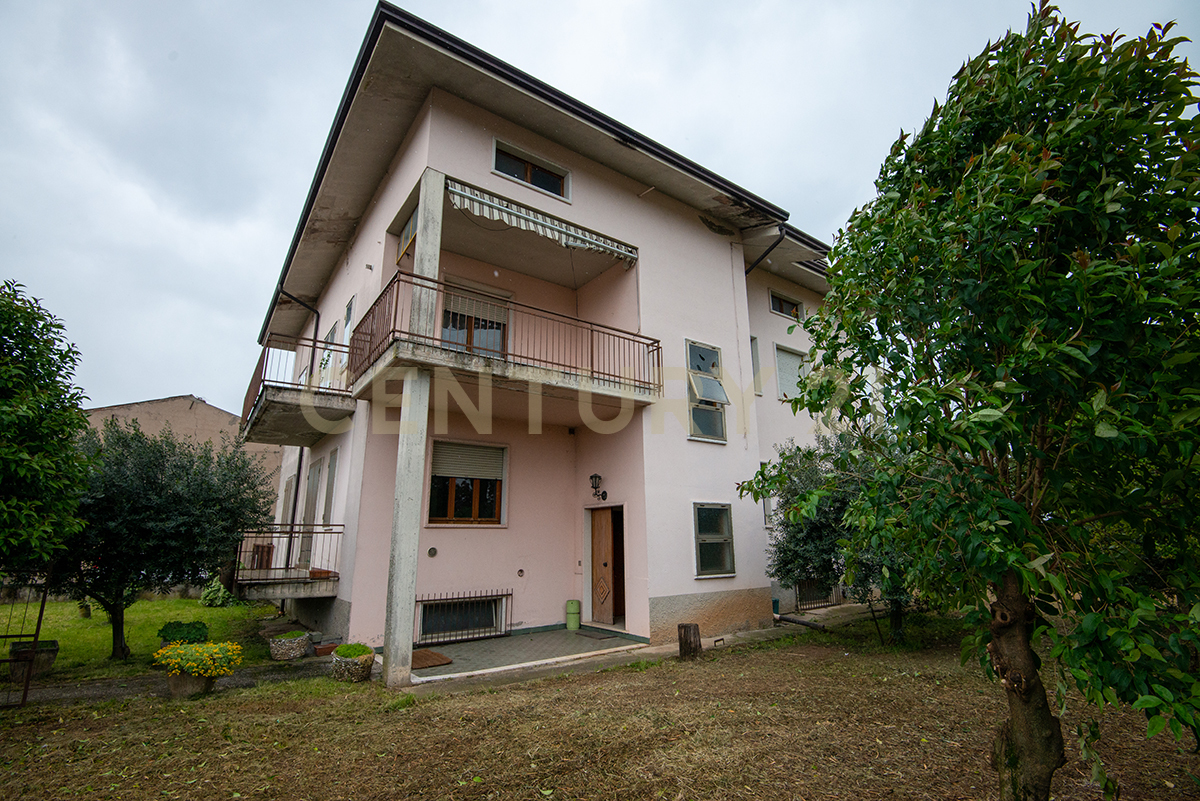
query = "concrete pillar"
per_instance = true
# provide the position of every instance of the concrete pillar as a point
(410, 453)
(406, 530)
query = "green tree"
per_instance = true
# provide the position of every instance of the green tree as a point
(160, 511)
(1020, 307)
(814, 486)
(41, 470)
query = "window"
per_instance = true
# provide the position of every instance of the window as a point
(325, 367)
(407, 235)
(768, 503)
(706, 397)
(474, 323)
(786, 307)
(330, 480)
(755, 365)
(790, 367)
(542, 176)
(714, 539)
(466, 483)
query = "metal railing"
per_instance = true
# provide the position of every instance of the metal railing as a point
(502, 329)
(809, 597)
(24, 654)
(460, 616)
(290, 552)
(299, 363)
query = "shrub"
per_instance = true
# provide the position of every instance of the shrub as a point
(200, 659)
(353, 649)
(177, 631)
(215, 594)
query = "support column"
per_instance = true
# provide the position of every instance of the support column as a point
(410, 453)
(406, 530)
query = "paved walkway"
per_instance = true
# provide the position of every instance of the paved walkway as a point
(499, 661)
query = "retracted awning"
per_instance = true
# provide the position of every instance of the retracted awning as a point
(484, 204)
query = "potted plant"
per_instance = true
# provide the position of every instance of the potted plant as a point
(178, 631)
(193, 667)
(352, 662)
(27, 660)
(292, 645)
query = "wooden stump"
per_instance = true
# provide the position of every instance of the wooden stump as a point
(689, 641)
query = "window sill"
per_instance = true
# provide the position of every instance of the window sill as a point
(693, 438)
(716, 576)
(787, 317)
(465, 525)
(537, 189)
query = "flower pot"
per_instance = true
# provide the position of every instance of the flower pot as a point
(356, 668)
(27, 660)
(292, 648)
(187, 685)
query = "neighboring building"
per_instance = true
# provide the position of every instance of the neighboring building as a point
(520, 355)
(188, 417)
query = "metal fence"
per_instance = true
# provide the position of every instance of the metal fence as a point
(502, 329)
(809, 597)
(299, 363)
(25, 653)
(290, 552)
(460, 616)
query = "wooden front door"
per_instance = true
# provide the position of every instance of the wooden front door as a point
(602, 566)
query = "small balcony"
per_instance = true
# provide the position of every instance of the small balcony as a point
(284, 560)
(299, 392)
(474, 332)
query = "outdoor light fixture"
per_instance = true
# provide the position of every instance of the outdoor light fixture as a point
(596, 479)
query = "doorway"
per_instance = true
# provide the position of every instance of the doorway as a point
(608, 566)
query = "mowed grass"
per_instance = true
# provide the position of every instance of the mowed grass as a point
(790, 719)
(85, 644)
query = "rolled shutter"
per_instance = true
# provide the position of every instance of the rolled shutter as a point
(457, 460)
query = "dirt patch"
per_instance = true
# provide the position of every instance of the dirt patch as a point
(778, 721)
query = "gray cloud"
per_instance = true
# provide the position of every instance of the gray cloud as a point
(157, 156)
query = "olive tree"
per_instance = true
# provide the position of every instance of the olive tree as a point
(1019, 306)
(159, 511)
(40, 468)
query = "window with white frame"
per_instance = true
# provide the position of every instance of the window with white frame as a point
(786, 306)
(530, 170)
(706, 397)
(790, 367)
(714, 539)
(466, 483)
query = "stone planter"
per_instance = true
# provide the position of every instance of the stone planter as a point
(187, 685)
(292, 648)
(357, 668)
(27, 660)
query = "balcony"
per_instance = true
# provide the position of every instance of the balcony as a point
(289, 561)
(299, 392)
(513, 343)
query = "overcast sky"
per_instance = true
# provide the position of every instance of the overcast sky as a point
(155, 156)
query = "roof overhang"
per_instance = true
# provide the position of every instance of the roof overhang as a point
(402, 59)
(788, 252)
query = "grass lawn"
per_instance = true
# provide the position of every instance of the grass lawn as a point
(814, 716)
(85, 643)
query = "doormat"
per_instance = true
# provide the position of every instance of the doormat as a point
(595, 635)
(425, 658)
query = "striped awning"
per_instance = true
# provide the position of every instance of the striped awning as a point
(484, 204)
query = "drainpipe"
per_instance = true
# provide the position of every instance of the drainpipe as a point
(766, 252)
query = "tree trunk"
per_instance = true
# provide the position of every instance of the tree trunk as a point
(896, 622)
(116, 614)
(1029, 745)
(689, 641)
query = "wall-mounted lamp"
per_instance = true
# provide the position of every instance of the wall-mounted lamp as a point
(596, 479)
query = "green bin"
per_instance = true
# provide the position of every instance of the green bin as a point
(572, 615)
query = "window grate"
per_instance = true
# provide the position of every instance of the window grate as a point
(461, 616)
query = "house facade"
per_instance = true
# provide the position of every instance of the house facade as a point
(519, 355)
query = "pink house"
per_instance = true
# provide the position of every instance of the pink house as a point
(520, 355)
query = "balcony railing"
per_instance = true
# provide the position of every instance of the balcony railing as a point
(290, 552)
(298, 363)
(497, 328)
